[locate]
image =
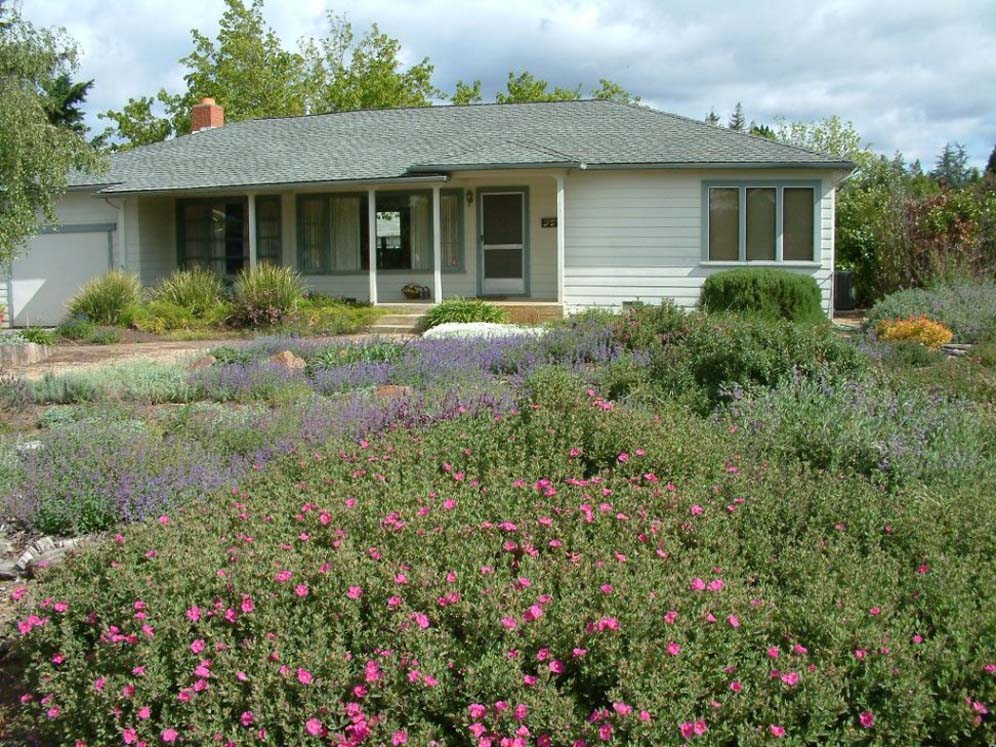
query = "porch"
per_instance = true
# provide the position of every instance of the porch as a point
(406, 318)
(489, 234)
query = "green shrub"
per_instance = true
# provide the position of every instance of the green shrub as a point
(140, 382)
(321, 315)
(104, 336)
(715, 353)
(75, 328)
(766, 293)
(266, 295)
(197, 290)
(896, 434)
(37, 335)
(108, 299)
(464, 310)
(161, 316)
(646, 326)
(968, 309)
(906, 353)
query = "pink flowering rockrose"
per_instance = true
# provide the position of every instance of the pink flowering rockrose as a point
(400, 737)
(790, 678)
(673, 648)
(194, 613)
(733, 620)
(557, 666)
(687, 730)
(170, 735)
(774, 652)
(301, 590)
(313, 726)
(303, 676)
(777, 731)
(247, 718)
(623, 457)
(697, 584)
(736, 686)
(867, 719)
(355, 592)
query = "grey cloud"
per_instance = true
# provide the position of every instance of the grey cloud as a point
(910, 75)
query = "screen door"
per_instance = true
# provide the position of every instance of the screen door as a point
(503, 237)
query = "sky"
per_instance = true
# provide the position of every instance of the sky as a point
(910, 75)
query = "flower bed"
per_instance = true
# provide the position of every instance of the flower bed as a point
(572, 574)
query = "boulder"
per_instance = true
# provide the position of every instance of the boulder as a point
(288, 360)
(205, 362)
(394, 391)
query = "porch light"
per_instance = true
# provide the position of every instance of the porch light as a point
(470, 197)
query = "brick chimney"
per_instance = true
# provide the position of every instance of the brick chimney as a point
(206, 115)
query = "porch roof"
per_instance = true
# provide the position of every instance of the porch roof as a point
(394, 144)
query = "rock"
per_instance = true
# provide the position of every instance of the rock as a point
(288, 360)
(205, 362)
(451, 330)
(8, 571)
(43, 552)
(394, 391)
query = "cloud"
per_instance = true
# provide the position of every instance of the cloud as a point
(910, 75)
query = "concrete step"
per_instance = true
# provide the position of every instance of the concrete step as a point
(393, 329)
(400, 319)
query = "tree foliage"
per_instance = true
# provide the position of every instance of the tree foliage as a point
(36, 153)
(345, 73)
(526, 87)
(247, 70)
(952, 166)
(712, 118)
(64, 99)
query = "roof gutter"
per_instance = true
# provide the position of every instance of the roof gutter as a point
(432, 167)
(242, 188)
(725, 165)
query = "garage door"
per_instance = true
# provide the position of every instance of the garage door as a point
(53, 269)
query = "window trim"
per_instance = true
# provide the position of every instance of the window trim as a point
(299, 226)
(780, 185)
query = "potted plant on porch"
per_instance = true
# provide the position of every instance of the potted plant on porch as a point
(416, 292)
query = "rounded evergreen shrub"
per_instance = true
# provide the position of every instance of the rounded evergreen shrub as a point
(266, 295)
(464, 310)
(764, 292)
(109, 299)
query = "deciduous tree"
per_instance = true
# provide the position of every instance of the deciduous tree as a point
(36, 154)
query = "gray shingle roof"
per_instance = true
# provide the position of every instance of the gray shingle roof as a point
(398, 143)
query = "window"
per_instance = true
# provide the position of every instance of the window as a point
(760, 222)
(333, 232)
(268, 230)
(214, 233)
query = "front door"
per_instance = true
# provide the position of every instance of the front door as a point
(503, 243)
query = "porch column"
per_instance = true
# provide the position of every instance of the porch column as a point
(437, 248)
(253, 249)
(123, 234)
(372, 233)
(560, 238)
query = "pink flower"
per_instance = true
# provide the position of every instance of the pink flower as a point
(194, 613)
(144, 713)
(169, 735)
(673, 648)
(777, 731)
(736, 686)
(303, 676)
(700, 727)
(697, 510)
(247, 605)
(791, 679)
(247, 718)
(53, 712)
(313, 726)
(734, 621)
(670, 616)
(623, 457)
(774, 652)
(687, 730)
(477, 711)
(283, 577)
(164, 520)
(557, 666)
(697, 584)
(197, 646)
(875, 611)
(301, 590)
(400, 737)
(867, 719)
(521, 712)
(355, 592)
(509, 623)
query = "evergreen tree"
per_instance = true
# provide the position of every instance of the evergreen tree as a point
(952, 166)
(761, 130)
(712, 118)
(738, 121)
(64, 97)
(991, 164)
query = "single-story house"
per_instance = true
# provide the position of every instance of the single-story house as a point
(577, 203)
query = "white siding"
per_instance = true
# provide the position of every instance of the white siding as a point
(156, 237)
(637, 235)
